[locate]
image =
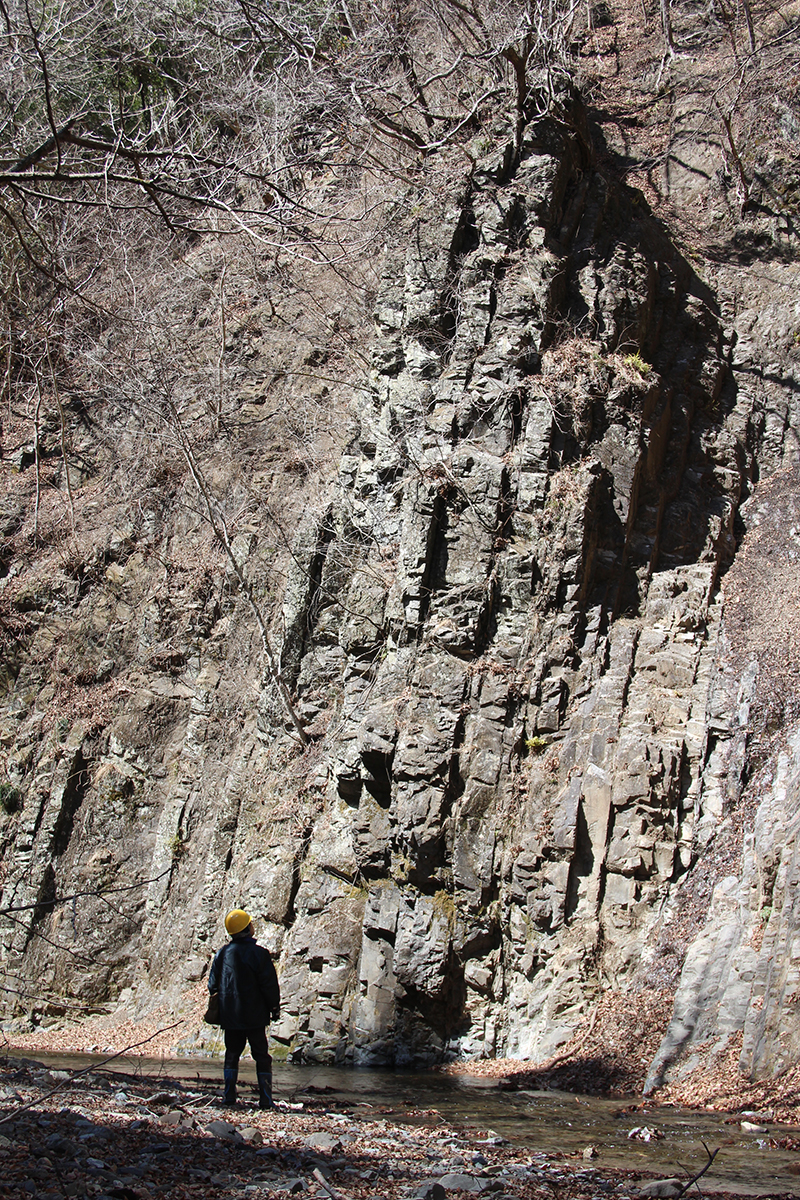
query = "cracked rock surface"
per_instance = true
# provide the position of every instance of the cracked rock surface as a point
(501, 617)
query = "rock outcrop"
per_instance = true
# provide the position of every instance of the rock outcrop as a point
(533, 520)
(501, 622)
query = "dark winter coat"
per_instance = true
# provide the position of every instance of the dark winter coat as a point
(243, 975)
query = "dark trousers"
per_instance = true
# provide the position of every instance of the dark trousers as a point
(235, 1040)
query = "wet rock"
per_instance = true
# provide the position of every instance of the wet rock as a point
(644, 1133)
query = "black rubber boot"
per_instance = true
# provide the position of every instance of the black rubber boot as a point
(265, 1089)
(229, 1098)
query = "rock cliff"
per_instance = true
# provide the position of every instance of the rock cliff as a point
(496, 570)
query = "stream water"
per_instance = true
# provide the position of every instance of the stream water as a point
(546, 1123)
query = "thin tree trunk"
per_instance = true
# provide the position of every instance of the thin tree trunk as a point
(743, 184)
(36, 412)
(7, 379)
(63, 442)
(520, 76)
(223, 338)
(666, 25)
(748, 16)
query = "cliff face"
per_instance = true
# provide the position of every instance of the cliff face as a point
(532, 526)
(496, 585)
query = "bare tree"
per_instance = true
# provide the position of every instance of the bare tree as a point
(126, 126)
(415, 77)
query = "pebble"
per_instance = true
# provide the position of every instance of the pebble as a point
(252, 1136)
(644, 1133)
(174, 1117)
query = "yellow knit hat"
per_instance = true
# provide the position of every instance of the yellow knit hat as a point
(237, 920)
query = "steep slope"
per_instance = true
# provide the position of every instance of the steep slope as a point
(496, 586)
(519, 746)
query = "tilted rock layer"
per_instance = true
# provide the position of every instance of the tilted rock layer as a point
(502, 623)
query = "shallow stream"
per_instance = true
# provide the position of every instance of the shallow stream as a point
(547, 1123)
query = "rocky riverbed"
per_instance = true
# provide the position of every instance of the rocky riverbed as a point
(103, 1133)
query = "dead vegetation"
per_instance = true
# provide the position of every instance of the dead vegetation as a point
(609, 1055)
(762, 606)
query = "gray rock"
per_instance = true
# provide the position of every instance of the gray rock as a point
(662, 1187)
(173, 1117)
(322, 1141)
(496, 603)
(455, 1181)
(224, 1130)
(430, 1189)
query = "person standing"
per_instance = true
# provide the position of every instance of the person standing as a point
(243, 976)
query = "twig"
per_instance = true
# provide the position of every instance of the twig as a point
(129, 887)
(332, 1192)
(87, 1070)
(562, 1058)
(695, 1178)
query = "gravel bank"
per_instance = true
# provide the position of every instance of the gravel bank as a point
(126, 1137)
